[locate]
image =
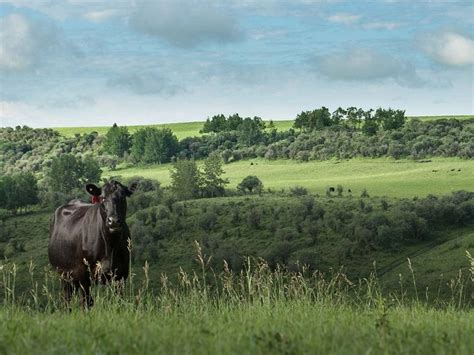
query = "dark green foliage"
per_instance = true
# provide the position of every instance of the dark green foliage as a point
(18, 191)
(316, 119)
(248, 126)
(250, 184)
(69, 172)
(358, 133)
(298, 191)
(208, 220)
(185, 179)
(91, 170)
(32, 149)
(117, 141)
(153, 145)
(213, 183)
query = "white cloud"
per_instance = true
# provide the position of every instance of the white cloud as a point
(144, 83)
(449, 48)
(101, 15)
(381, 25)
(344, 18)
(184, 23)
(24, 42)
(366, 65)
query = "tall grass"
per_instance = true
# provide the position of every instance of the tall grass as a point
(257, 310)
(257, 283)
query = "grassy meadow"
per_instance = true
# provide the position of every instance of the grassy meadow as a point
(381, 177)
(181, 130)
(257, 311)
(416, 299)
(190, 129)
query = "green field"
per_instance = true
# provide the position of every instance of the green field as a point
(190, 129)
(181, 130)
(381, 177)
(291, 327)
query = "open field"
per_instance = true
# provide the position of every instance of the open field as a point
(381, 177)
(258, 311)
(181, 130)
(433, 118)
(189, 129)
(292, 327)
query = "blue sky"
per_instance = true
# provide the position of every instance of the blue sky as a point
(88, 62)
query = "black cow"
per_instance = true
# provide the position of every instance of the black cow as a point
(89, 242)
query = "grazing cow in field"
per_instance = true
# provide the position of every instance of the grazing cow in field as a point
(88, 242)
(332, 189)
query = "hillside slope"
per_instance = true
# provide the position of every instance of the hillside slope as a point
(381, 177)
(226, 230)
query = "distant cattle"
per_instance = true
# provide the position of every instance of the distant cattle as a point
(88, 242)
(435, 171)
(332, 189)
(349, 190)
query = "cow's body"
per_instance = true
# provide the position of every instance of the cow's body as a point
(84, 248)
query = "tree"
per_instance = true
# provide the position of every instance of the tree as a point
(250, 183)
(251, 130)
(213, 183)
(185, 179)
(18, 191)
(69, 172)
(312, 120)
(390, 119)
(217, 123)
(65, 173)
(371, 124)
(153, 145)
(117, 141)
(91, 170)
(138, 145)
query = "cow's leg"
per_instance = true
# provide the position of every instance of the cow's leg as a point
(68, 288)
(85, 289)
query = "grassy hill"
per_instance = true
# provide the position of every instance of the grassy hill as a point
(434, 260)
(181, 130)
(381, 177)
(189, 129)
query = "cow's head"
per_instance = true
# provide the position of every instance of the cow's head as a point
(114, 201)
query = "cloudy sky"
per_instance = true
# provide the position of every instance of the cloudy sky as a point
(90, 62)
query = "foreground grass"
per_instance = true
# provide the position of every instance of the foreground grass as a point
(381, 177)
(287, 327)
(257, 311)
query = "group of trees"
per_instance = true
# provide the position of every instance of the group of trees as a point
(18, 191)
(369, 122)
(317, 232)
(220, 123)
(188, 181)
(154, 146)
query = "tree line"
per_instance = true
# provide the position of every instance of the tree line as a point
(316, 135)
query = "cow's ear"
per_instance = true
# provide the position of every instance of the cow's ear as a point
(131, 189)
(93, 190)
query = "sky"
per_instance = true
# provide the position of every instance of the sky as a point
(95, 63)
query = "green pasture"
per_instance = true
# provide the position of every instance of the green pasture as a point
(181, 130)
(381, 177)
(292, 327)
(434, 118)
(190, 129)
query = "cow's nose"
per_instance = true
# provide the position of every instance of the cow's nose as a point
(111, 221)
